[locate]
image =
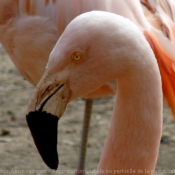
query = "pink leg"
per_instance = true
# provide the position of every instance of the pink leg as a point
(84, 139)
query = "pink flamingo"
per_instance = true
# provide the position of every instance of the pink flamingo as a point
(85, 57)
(29, 30)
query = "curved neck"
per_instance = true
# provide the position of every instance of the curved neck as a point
(134, 135)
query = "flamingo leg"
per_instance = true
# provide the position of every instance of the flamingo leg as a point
(84, 137)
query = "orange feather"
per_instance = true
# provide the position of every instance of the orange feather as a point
(166, 67)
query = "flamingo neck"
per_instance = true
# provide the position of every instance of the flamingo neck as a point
(134, 135)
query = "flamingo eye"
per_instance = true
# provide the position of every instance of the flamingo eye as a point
(77, 57)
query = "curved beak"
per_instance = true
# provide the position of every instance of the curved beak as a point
(43, 127)
(44, 110)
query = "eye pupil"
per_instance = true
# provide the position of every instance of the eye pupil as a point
(77, 56)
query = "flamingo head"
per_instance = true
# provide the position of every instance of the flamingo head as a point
(83, 60)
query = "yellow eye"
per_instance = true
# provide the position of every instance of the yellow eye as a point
(77, 57)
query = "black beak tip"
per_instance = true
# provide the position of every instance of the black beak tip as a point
(52, 164)
(43, 127)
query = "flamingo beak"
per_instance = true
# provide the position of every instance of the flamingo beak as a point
(43, 127)
(44, 110)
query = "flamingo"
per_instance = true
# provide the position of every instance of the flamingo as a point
(85, 57)
(30, 29)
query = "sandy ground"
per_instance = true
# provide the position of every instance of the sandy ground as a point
(18, 154)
